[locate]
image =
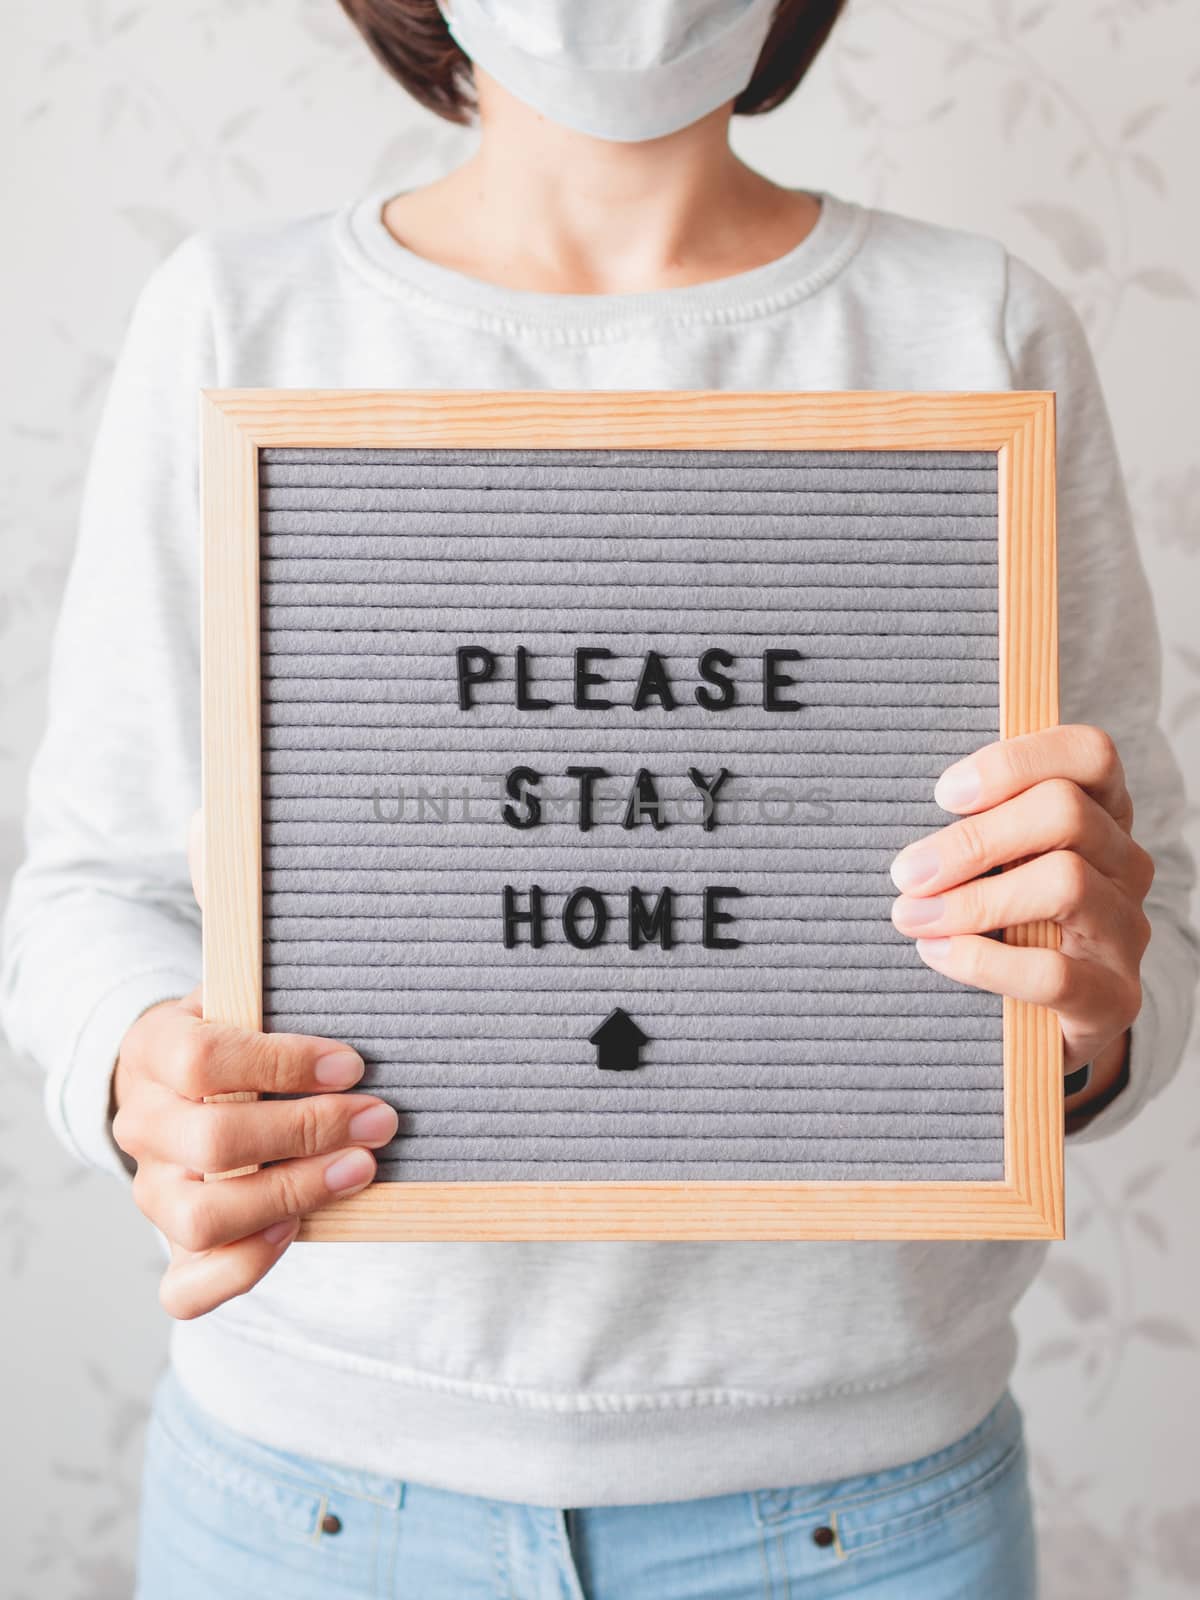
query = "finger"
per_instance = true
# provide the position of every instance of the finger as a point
(1083, 754)
(1093, 1002)
(1058, 887)
(196, 1283)
(219, 1136)
(195, 854)
(201, 1058)
(200, 1216)
(1056, 815)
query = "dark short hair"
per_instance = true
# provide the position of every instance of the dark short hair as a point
(412, 40)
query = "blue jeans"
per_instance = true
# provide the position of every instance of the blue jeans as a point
(224, 1518)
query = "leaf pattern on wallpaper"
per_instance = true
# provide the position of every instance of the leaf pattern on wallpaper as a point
(1067, 130)
(1079, 241)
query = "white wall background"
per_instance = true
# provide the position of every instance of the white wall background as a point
(1069, 130)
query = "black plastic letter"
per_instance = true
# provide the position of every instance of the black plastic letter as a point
(644, 802)
(727, 691)
(570, 918)
(585, 678)
(654, 684)
(773, 680)
(519, 785)
(476, 664)
(513, 918)
(715, 917)
(525, 700)
(587, 777)
(650, 923)
(709, 789)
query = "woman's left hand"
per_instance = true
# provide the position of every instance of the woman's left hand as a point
(1056, 805)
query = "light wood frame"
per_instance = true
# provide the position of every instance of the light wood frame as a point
(1017, 426)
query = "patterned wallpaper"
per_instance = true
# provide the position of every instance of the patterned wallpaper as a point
(1064, 129)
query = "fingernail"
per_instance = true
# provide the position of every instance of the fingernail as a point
(279, 1231)
(914, 866)
(933, 950)
(338, 1069)
(958, 788)
(374, 1125)
(919, 913)
(350, 1171)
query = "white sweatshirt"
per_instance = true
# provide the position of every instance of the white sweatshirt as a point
(567, 1374)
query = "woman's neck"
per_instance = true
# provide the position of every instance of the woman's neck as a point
(541, 208)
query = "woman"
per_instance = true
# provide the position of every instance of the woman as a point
(660, 1421)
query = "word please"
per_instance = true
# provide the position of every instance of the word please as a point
(717, 690)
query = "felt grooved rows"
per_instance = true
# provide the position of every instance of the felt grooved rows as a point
(821, 1048)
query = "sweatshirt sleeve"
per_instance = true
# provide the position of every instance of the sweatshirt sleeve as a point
(101, 923)
(1110, 666)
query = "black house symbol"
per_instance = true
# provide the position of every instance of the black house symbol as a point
(618, 1042)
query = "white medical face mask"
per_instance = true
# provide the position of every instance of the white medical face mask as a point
(615, 69)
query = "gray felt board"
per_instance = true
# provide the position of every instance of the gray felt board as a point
(804, 1038)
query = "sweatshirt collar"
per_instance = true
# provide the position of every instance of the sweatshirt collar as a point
(586, 319)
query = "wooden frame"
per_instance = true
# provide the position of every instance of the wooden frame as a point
(1017, 426)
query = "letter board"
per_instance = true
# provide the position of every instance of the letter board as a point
(556, 749)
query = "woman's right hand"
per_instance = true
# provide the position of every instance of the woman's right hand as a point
(225, 1236)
